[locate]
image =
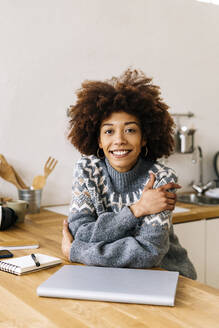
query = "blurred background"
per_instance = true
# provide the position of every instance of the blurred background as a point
(48, 47)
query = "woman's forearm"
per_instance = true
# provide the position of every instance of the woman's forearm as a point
(108, 227)
(143, 251)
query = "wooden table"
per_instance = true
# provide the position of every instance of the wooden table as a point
(196, 305)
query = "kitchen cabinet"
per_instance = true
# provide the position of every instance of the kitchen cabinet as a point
(192, 237)
(212, 252)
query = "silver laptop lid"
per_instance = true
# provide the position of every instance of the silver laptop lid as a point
(112, 284)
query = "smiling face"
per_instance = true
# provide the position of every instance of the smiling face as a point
(121, 140)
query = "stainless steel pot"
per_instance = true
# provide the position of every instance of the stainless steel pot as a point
(185, 140)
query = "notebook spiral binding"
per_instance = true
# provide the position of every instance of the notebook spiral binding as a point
(11, 268)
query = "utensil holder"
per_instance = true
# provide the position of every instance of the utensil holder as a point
(33, 197)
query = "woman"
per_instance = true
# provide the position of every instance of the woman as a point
(122, 197)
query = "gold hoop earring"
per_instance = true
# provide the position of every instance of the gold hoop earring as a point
(99, 155)
(144, 154)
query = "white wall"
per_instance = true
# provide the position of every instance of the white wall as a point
(48, 47)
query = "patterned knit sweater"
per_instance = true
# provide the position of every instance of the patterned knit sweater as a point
(105, 231)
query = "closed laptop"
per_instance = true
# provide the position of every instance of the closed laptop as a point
(112, 284)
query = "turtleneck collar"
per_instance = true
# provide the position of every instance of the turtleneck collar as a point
(126, 181)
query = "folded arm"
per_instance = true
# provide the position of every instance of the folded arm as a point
(144, 250)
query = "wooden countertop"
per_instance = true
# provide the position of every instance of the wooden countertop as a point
(195, 212)
(196, 305)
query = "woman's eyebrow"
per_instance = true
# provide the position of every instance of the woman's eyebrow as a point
(132, 122)
(126, 123)
(105, 124)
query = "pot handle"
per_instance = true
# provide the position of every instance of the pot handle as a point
(216, 163)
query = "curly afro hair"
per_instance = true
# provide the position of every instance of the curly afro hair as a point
(132, 92)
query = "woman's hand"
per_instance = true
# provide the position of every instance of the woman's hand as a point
(153, 201)
(67, 240)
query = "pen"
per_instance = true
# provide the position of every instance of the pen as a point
(35, 260)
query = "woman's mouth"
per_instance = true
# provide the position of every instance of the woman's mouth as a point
(120, 153)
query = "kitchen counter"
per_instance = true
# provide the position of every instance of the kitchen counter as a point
(197, 305)
(196, 212)
(197, 230)
(183, 213)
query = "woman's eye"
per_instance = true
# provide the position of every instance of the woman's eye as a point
(130, 130)
(108, 131)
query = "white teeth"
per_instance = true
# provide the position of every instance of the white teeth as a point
(122, 152)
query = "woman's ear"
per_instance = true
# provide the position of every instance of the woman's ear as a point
(100, 143)
(143, 143)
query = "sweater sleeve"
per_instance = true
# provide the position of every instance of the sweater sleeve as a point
(144, 250)
(107, 227)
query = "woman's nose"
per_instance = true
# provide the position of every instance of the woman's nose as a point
(119, 138)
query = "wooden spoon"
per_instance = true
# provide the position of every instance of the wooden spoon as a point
(21, 183)
(7, 173)
(39, 181)
(19, 180)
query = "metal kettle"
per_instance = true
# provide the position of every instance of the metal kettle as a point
(185, 140)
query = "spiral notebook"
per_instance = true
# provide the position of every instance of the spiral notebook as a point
(26, 264)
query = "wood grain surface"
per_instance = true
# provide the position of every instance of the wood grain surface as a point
(197, 305)
(196, 212)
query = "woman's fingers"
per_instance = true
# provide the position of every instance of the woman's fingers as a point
(65, 231)
(155, 200)
(170, 207)
(167, 200)
(66, 240)
(171, 201)
(171, 195)
(65, 225)
(150, 183)
(170, 185)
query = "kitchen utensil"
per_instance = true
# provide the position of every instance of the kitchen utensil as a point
(19, 180)
(49, 166)
(7, 173)
(40, 180)
(21, 183)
